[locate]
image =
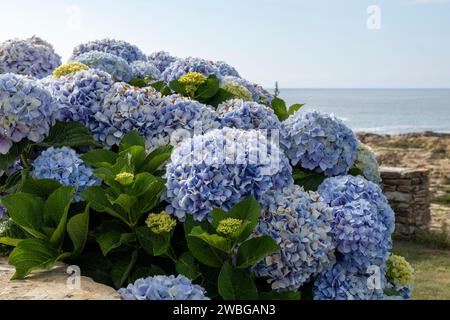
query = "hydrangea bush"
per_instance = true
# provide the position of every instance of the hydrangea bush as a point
(137, 167)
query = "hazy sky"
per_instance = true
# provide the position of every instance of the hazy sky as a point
(308, 44)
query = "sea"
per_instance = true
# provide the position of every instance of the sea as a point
(382, 111)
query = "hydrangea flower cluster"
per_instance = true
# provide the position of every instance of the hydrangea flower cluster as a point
(26, 110)
(161, 59)
(301, 226)
(160, 222)
(258, 93)
(64, 165)
(224, 69)
(246, 115)
(117, 67)
(79, 95)
(163, 288)
(229, 227)
(319, 142)
(399, 271)
(122, 49)
(144, 69)
(125, 108)
(178, 117)
(220, 168)
(33, 57)
(180, 67)
(71, 67)
(238, 90)
(366, 161)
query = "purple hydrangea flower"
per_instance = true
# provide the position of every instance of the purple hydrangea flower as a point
(319, 142)
(144, 69)
(33, 57)
(122, 49)
(220, 168)
(301, 226)
(163, 288)
(117, 67)
(161, 59)
(65, 166)
(26, 110)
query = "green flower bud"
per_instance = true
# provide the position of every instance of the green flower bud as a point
(399, 271)
(160, 222)
(192, 81)
(229, 227)
(125, 178)
(238, 90)
(71, 67)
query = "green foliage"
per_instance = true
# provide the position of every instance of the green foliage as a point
(308, 179)
(282, 111)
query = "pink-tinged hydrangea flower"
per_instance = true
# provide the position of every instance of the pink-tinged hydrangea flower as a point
(26, 110)
(300, 223)
(32, 57)
(163, 288)
(122, 49)
(220, 168)
(319, 142)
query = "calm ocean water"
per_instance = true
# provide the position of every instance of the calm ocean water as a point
(380, 110)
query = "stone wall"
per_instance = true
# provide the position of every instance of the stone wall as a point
(408, 193)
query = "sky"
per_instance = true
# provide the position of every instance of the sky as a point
(300, 44)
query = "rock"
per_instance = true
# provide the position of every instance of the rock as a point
(55, 284)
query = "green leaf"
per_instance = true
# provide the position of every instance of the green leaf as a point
(158, 85)
(42, 188)
(6, 160)
(111, 235)
(246, 210)
(186, 266)
(69, 134)
(132, 138)
(12, 183)
(32, 254)
(254, 250)
(213, 240)
(156, 159)
(100, 158)
(273, 295)
(135, 154)
(235, 284)
(26, 210)
(176, 86)
(56, 209)
(208, 89)
(310, 180)
(139, 82)
(149, 200)
(154, 244)
(218, 215)
(279, 107)
(144, 182)
(221, 96)
(356, 172)
(125, 201)
(10, 241)
(78, 228)
(121, 269)
(294, 108)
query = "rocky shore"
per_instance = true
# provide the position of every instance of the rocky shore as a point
(426, 150)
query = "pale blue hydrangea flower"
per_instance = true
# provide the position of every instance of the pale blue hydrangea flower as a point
(33, 57)
(301, 226)
(259, 94)
(366, 161)
(26, 110)
(125, 108)
(337, 283)
(224, 69)
(363, 223)
(117, 67)
(319, 142)
(80, 95)
(180, 116)
(144, 69)
(161, 59)
(220, 168)
(122, 49)
(180, 67)
(163, 288)
(246, 115)
(65, 166)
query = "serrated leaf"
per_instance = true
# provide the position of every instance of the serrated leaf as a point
(213, 240)
(42, 188)
(100, 158)
(252, 251)
(156, 159)
(78, 228)
(154, 244)
(69, 134)
(111, 235)
(176, 86)
(294, 108)
(208, 89)
(186, 266)
(132, 138)
(235, 284)
(279, 107)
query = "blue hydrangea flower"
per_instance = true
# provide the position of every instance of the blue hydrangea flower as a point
(259, 94)
(180, 67)
(65, 166)
(125, 108)
(319, 142)
(337, 283)
(122, 49)
(301, 226)
(224, 69)
(363, 223)
(161, 59)
(220, 168)
(404, 292)
(80, 95)
(144, 69)
(26, 110)
(163, 288)
(33, 57)
(117, 67)
(180, 116)
(246, 115)
(366, 161)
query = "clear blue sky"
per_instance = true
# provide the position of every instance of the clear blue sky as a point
(306, 44)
